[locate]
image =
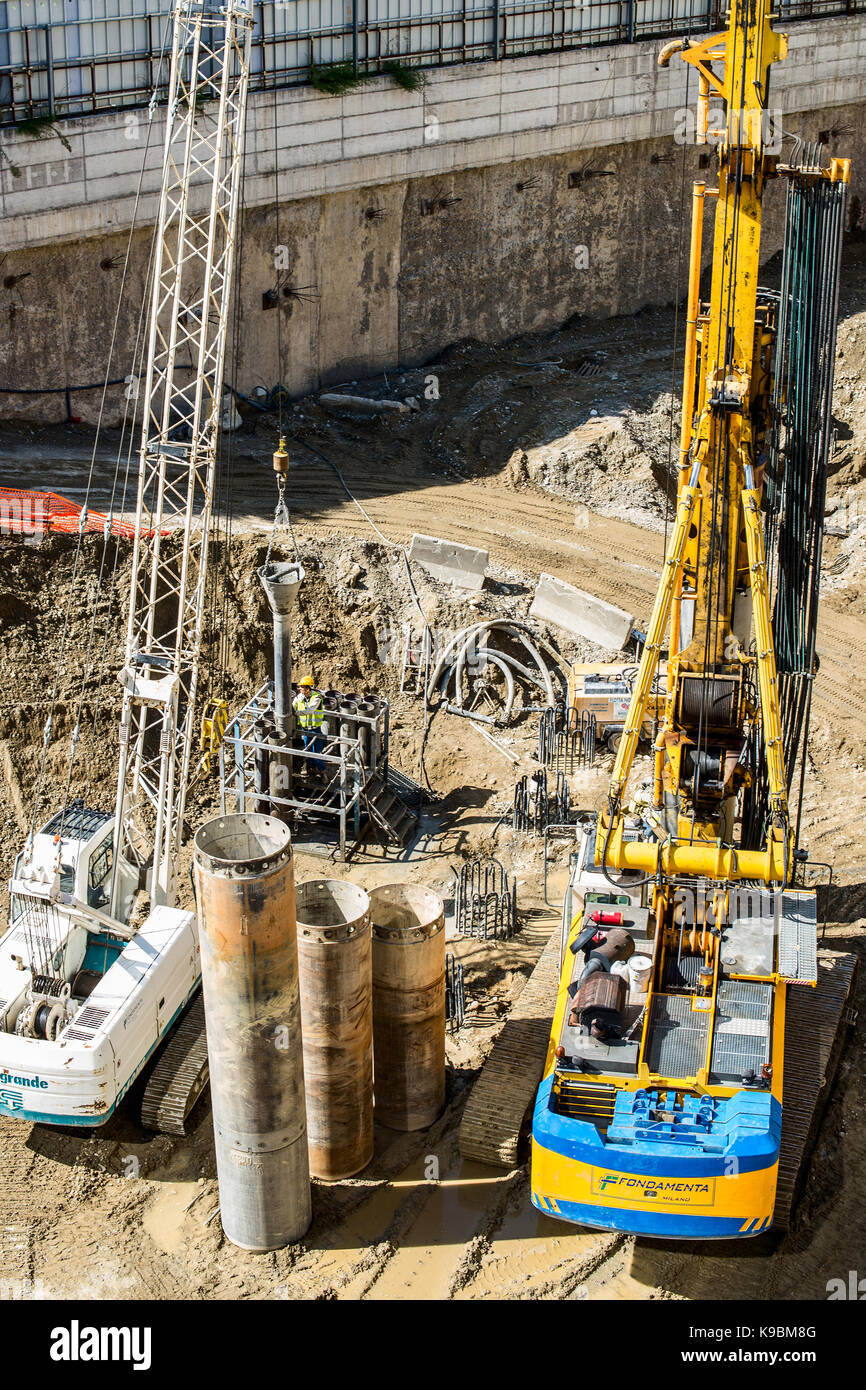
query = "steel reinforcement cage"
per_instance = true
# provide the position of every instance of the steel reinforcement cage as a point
(346, 762)
(73, 57)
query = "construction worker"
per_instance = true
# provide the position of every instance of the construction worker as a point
(309, 707)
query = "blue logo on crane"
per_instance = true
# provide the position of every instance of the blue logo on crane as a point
(14, 1100)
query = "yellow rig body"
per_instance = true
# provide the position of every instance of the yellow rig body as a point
(714, 580)
(631, 1147)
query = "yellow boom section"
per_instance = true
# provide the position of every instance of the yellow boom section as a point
(714, 585)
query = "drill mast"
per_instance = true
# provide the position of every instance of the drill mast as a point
(723, 691)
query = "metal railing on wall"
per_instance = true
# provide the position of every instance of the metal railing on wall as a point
(87, 56)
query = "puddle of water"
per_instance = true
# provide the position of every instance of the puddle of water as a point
(429, 1246)
(334, 1255)
(528, 1223)
(528, 1249)
(424, 1265)
(164, 1219)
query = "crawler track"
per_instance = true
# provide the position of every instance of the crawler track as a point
(180, 1075)
(496, 1111)
(815, 1032)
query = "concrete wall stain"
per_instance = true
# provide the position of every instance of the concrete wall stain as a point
(389, 276)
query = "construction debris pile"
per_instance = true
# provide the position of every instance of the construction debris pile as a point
(612, 464)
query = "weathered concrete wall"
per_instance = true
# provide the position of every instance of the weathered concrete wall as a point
(465, 117)
(482, 245)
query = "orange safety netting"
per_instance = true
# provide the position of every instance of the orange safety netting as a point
(34, 513)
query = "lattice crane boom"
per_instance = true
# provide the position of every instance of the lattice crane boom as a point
(191, 287)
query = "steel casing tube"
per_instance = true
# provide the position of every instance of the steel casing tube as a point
(408, 1005)
(263, 732)
(245, 894)
(334, 957)
(281, 582)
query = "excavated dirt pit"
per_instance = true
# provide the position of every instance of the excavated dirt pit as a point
(510, 458)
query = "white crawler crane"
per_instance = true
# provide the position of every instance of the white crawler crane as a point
(85, 997)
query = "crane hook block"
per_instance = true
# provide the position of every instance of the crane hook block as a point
(281, 460)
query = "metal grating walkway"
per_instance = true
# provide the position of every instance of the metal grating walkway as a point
(682, 973)
(798, 937)
(677, 1036)
(741, 1037)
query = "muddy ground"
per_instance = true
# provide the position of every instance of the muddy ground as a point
(553, 453)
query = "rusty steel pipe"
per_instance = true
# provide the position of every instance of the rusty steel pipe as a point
(408, 1005)
(245, 895)
(334, 958)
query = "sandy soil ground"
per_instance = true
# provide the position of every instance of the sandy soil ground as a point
(508, 458)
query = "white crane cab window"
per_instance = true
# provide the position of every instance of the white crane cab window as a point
(99, 872)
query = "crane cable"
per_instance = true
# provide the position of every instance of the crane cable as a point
(60, 664)
(282, 511)
(428, 635)
(32, 941)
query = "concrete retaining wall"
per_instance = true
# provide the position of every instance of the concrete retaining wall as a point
(464, 117)
(402, 243)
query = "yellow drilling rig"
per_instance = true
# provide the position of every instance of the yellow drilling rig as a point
(674, 1101)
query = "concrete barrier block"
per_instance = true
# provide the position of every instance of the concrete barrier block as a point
(315, 155)
(450, 84)
(381, 98)
(584, 69)
(580, 613)
(461, 565)
(300, 103)
(362, 405)
(377, 122)
(572, 92)
(528, 101)
(528, 80)
(44, 198)
(850, 65)
(470, 130)
(122, 164)
(600, 131)
(847, 47)
(631, 105)
(301, 133)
